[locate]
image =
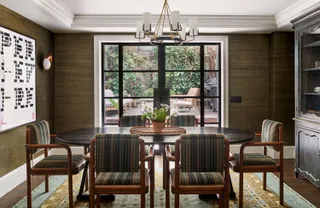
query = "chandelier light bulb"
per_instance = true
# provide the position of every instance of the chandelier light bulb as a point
(139, 32)
(147, 21)
(175, 20)
(183, 32)
(193, 26)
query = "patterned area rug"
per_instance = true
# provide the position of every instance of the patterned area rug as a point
(254, 195)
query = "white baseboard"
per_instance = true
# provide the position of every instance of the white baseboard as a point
(289, 151)
(14, 178)
(18, 175)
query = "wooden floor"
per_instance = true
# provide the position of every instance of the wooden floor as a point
(302, 186)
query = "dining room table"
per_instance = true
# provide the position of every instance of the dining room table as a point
(83, 137)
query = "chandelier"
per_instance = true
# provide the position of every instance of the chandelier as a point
(178, 32)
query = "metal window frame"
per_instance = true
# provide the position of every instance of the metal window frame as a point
(162, 76)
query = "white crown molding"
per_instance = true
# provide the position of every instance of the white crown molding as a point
(87, 22)
(57, 9)
(284, 17)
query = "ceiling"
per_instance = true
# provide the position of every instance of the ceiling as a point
(214, 16)
(199, 7)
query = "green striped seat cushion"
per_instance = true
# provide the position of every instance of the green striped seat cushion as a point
(61, 161)
(252, 159)
(119, 178)
(199, 178)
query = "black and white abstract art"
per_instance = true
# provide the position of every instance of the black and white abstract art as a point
(17, 79)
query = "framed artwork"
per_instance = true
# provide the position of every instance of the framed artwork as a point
(17, 79)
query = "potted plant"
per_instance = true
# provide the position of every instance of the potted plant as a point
(158, 116)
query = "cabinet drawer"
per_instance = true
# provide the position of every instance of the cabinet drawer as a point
(308, 155)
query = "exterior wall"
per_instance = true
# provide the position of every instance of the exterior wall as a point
(12, 142)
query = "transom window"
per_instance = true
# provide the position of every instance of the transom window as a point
(192, 72)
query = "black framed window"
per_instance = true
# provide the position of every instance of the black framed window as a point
(192, 72)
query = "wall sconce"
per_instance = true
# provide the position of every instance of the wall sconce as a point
(47, 61)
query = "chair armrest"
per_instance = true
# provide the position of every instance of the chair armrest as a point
(168, 154)
(149, 157)
(53, 135)
(257, 134)
(258, 144)
(87, 157)
(33, 146)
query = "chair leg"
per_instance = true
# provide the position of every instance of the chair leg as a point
(47, 183)
(281, 187)
(92, 195)
(176, 200)
(143, 200)
(98, 201)
(264, 181)
(152, 183)
(241, 190)
(70, 190)
(167, 190)
(29, 193)
(220, 200)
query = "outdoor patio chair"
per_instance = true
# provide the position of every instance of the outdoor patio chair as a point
(201, 167)
(112, 105)
(117, 166)
(188, 102)
(271, 135)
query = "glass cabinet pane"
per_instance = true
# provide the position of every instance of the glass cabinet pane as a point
(310, 74)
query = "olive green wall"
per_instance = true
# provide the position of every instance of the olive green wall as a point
(12, 142)
(282, 82)
(250, 76)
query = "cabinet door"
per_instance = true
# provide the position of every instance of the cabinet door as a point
(308, 159)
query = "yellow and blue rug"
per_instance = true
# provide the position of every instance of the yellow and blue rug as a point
(254, 195)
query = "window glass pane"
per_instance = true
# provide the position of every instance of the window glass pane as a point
(111, 107)
(183, 83)
(138, 84)
(182, 57)
(111, 58)
(111, 84)
(136, 106)
(211, 57)
(211, 83)
(211, 110)
(140, 58)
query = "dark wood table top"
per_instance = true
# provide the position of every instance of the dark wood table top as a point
(83, 136)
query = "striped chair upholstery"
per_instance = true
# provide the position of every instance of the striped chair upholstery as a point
(117, 153)
(119, 178)
(202, 153)
(132, 120)
(202, 159)
(181, 120)
(199, 178)
(250, 159)
(39, 133)
(270, 132)
(61, 161)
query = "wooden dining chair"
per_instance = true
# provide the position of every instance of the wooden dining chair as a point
(179, 120)
(201, 167)
(38, 137)
(133, 120)
(272, 136)
(115, 169)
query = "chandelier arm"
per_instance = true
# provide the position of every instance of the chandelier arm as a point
(156, 31)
